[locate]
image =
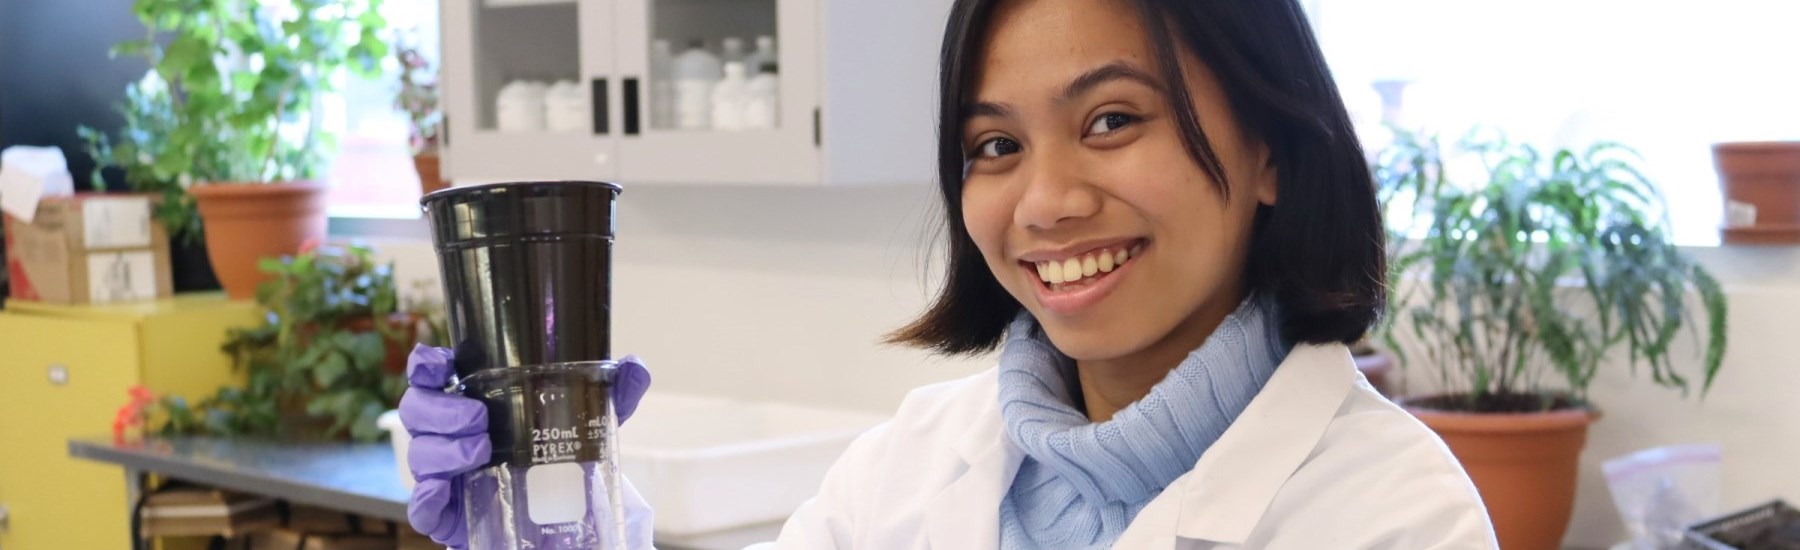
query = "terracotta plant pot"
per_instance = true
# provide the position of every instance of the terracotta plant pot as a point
(1524, 465)
(431, 177)
(1761, 184)
(248, 222)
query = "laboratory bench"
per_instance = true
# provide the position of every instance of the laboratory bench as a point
(357, 478)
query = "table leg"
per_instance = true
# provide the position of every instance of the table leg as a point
(134, 490)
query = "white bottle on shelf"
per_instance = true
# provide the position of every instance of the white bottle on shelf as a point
(729, 98)
(696, 70)
(566, 108)
(764, 54)
(520, 107)
(731, 50)
(662, 84)
(762, 99)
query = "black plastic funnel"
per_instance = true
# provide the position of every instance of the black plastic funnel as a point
(527, 274)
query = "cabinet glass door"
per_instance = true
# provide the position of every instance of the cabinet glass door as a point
(718, 91)
(522, 78)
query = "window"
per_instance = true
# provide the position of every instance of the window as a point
(372, 175)
(1666, 78)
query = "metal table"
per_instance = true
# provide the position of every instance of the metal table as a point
(360, 478)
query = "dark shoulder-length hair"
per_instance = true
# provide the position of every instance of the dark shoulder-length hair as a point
(1318, 253)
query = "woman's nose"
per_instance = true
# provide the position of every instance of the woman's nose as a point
(1056, 192)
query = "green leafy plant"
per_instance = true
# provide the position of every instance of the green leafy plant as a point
(232, 93)
(321, 364)
(1517, 278)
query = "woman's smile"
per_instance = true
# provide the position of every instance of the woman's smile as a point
(1068, 284)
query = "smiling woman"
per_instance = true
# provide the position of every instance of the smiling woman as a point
(1158, 211)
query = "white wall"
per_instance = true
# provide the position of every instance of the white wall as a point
(781, 293)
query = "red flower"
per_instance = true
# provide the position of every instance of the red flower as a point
(131, 414)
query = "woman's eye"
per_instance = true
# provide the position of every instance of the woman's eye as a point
(1110, 122)
(997, 147)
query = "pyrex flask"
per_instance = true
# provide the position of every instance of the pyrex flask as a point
(527, 281)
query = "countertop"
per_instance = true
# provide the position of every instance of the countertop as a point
(351, 477)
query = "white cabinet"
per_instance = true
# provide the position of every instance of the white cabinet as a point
(856, 78)
(490, 43)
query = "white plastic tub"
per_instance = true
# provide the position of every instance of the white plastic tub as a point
(397, 435)
(707, 464)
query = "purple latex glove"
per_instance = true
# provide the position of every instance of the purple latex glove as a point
(449, 437)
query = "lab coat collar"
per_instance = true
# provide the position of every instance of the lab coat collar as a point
(966, 514)
(1236, 479)
(1220, 500)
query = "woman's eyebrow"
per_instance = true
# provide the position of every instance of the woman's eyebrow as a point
(1116, 70)
(1081, 85)
(987, 109)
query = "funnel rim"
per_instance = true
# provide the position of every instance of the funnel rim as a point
(447, 192)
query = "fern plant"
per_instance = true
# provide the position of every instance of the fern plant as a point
(1517, 281)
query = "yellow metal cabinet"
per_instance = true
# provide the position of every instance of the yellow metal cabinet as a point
(64, 372)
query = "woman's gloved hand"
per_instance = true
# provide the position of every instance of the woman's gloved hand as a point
(449, 438)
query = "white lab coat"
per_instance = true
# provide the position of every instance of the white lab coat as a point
(1318, 461)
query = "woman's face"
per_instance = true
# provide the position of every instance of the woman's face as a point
(1080, 194)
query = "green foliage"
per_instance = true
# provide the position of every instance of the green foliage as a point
(232, 93)
(309, 358)
(1517, 279)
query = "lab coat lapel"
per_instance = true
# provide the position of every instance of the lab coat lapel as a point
(966, 514)
(1224, 497)
(1237, 478)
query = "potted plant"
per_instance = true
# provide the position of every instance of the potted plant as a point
(418, 97)
(234, 121)
(327, 361)
(1761, 185)
(1513, 282)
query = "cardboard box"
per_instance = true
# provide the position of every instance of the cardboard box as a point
(410, 540)
(198, 511)
(89, 249)
(288, 539)
(307, 519)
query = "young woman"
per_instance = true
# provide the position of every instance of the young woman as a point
(1159, 213)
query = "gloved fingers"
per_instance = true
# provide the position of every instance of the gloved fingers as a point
(441, 456)
(430, 411)
(629, 385)
(435, 507)
(429, 367)
(458, 535)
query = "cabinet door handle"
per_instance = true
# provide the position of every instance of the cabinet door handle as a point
(631, 106)
(601, 107)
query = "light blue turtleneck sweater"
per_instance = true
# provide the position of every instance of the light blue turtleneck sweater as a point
(1081, 483)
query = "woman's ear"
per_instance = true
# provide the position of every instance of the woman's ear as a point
(1265, 182)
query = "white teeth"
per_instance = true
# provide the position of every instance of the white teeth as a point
(1074, 269)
